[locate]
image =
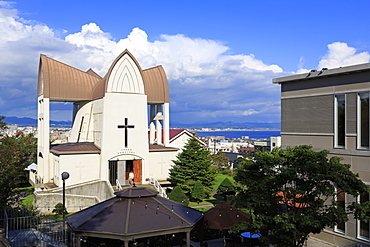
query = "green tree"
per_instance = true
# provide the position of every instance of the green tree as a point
(3, 125)
(225, 188)
(292, 193)
(220, 160)
(16, 152)
(58, 209)
(179, 196)
(198, 193)
(192, 164)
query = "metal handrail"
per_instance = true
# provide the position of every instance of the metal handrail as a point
(158, 186)
(118, 184)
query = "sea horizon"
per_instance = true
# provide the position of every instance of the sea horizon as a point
(252, 134)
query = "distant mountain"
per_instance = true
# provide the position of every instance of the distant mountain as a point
(26, 121)
(246, 125)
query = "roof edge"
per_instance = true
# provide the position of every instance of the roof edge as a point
(324, 72)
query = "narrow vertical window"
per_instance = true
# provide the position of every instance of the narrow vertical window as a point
(364, 120)
(341, 202)
(364, 227)
(340, 121)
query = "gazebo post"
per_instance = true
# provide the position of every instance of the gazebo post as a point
(188, 239)
(78, 241)
(126, 241)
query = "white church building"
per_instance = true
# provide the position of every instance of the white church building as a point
(121, 124)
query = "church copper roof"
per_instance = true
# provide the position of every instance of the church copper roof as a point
(156, 85)
(62, 82)
(134, 213)
(75, 148)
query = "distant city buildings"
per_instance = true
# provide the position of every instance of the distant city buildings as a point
(14, 129)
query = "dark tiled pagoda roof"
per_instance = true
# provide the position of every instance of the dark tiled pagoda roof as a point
(134, 213)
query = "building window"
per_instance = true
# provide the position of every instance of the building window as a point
(363, 120)
(340, 120)
(341, 202)
(364, 227)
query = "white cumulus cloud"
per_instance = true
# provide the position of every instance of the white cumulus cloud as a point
(340, 54)
(206, 82)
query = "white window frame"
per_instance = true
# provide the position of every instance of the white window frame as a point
(345, 223)
(358, 224)
(359, 122)
(336, 120)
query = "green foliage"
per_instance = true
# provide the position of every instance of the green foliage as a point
(58, 209)
(16, 153)
(198, 193)
(27, 201)
(219, 178)
(192, 164)
(292, 193)
(55, 217)
(220, 160)
(179, 196)
(362, 211)
(226, 188)
(203, 209)
(3, 125)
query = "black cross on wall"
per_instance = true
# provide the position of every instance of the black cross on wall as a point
(126, 126)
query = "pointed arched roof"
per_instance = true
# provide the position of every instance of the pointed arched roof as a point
(62, 82)
(156, 85)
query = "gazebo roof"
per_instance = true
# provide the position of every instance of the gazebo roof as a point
(134, 213)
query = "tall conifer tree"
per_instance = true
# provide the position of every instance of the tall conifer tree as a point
(198, 193)
(192, 164)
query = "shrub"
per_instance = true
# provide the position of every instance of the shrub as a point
(179, 196)
(59, 209)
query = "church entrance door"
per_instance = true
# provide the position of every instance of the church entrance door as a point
(120, 170)
(134, 166)
(129, 168)
(138, 171)
(113, 174)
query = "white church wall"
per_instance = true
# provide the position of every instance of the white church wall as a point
(118, 107)
(55, 166)
(81, 167)
(82, 129)
(98, 106)
(43, 139)
(160, 164)
(166, 124)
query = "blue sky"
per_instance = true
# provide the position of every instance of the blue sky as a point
(219, 56)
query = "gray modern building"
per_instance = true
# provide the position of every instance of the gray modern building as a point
(329, 109)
